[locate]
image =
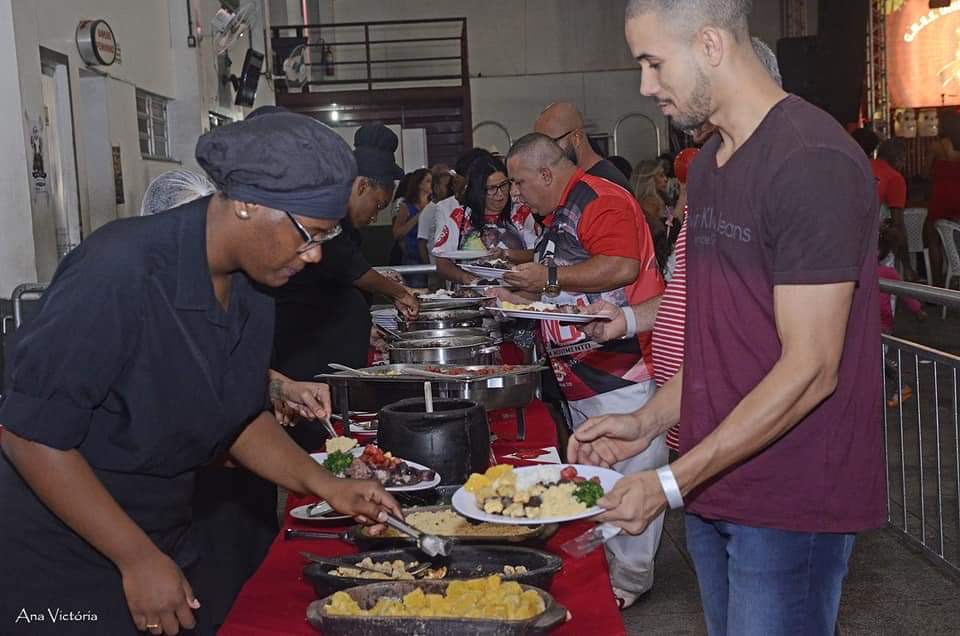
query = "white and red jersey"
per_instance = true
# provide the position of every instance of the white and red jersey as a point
(669, 326)
(455, 230)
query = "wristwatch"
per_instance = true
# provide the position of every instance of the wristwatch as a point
(552, 288)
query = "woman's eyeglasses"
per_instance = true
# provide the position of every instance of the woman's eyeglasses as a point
(502, 187)
(311, 242)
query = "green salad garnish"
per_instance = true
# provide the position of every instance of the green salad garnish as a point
(588, 493)
(338, 462)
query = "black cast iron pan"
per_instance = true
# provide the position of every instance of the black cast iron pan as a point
(366, 596)
(466, 562)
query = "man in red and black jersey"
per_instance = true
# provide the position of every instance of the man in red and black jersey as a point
(596, 245)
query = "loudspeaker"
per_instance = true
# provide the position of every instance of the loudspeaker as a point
(796, 57)
(829, 70)
(841, 61)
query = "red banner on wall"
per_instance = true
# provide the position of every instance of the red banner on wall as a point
(923, 54)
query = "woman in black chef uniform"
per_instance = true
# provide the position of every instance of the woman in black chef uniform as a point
(149, 359)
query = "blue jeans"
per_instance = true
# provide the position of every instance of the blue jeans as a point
(766, 582)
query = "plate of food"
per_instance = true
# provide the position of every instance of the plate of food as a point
(534, 494)
(545, 311)
(344, 459)
(460, 255)
(494, 269)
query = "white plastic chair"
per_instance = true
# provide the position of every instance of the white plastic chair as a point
(950, 236)
(913, 219)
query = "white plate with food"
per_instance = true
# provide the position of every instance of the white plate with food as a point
(461, 255)
(546, 311)
(369, 462)
(321, 511)
(533, 495)
(486, 272)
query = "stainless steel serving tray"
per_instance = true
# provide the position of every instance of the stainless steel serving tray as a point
(393, 382)
(456, 350)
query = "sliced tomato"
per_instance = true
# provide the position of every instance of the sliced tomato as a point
(568, 473)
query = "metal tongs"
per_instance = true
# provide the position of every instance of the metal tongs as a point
(429, 544)
(584, 544)
(389, 333)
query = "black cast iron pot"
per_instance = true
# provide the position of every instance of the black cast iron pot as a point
(454, 440)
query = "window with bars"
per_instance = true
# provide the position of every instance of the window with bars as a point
(152, 124)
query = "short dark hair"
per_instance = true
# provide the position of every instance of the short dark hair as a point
(867, 139)
(732, 15)
(386, 186)
(893, 151)
(547, 151)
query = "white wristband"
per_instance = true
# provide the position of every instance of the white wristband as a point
(631, 319)
(670, 487)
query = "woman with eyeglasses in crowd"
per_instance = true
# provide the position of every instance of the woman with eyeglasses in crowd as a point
(488, 220)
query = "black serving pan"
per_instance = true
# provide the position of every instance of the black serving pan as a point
(359, 535)
(465, 562)
(534, 535)
(366, 596)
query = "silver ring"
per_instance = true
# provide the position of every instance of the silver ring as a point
(152, 626)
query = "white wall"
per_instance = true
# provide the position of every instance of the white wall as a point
(17, 255)
(152, 37)
(524, 54)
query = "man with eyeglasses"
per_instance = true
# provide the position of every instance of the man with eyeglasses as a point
(563, 123)
(323, 313)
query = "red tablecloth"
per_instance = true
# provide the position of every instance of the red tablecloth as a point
(275, 600)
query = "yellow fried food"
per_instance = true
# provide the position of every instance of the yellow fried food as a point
(488, 597)
(476, 482)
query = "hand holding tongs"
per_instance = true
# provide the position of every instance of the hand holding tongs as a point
(429, 544)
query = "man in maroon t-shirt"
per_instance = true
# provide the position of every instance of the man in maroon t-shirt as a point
(779, 406)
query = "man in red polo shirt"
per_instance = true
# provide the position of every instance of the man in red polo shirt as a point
(596, 245)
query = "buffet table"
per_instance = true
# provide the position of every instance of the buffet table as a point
(275, 599)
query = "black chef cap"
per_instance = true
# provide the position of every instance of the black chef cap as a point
(282, 160)
(374, 145)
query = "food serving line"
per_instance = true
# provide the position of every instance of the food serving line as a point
(486, 413)
(275, 599)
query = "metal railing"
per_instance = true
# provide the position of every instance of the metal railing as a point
(921, 423)
(367, 54)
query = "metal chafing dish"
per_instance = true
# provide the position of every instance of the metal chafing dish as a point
(435, 334)
(457, 350)
(372, 388)
(454, 303)
(450, 319)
